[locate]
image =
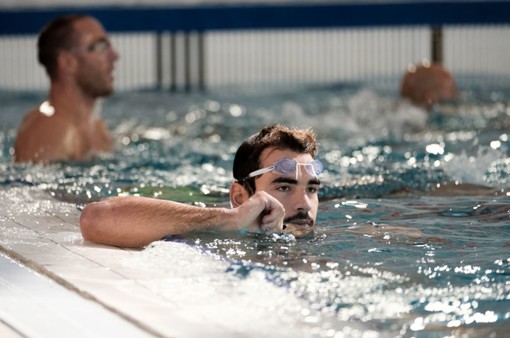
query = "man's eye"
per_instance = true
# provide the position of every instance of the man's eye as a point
(313, 189)
(100, 46)
(283, 188)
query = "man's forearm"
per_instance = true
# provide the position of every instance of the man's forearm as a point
(138, 221)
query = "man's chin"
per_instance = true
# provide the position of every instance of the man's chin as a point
(298, 230)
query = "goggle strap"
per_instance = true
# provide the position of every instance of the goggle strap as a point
(261, 171)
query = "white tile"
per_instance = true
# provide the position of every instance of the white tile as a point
(35, 306)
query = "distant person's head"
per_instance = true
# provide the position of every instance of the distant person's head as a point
(280, 161)
(77, 47)
(427, 84)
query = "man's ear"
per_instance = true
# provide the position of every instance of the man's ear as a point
(67, 62)
(238, 194)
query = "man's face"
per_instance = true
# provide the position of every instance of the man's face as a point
(96, 58)
(298, 194)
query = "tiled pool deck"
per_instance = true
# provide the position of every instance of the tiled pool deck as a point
(53, 284)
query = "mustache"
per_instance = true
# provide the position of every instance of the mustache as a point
(300, 216)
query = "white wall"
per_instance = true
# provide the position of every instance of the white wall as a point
(312, 56)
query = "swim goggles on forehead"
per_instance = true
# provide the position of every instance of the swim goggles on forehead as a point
(287, 166)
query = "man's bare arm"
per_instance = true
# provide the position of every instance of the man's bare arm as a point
(137, 221)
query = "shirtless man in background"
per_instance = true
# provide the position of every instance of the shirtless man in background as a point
(79, 59)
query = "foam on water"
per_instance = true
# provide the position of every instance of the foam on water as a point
(200, 286)
(205, 284)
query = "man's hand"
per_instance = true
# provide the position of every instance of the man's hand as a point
(262, 213)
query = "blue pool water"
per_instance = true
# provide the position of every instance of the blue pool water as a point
(414, 235)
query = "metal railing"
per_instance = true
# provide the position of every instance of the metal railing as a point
(199, 47)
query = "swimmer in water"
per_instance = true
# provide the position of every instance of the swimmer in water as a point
(275, 183)
(427, 84)
(79, 60)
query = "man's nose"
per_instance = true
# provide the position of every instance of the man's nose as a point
(301, 201)
(114, 54)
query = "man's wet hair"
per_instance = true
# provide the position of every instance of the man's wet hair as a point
(56, 36)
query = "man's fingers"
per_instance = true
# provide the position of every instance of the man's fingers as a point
(272, 217)
(262, 213)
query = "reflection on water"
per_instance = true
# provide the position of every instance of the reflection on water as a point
(397, 265)
(414, 235)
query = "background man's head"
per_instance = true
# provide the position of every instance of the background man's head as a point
(427, 84)
(82, 42)
(56, 36)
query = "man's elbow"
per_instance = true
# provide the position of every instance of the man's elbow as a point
(89, 222)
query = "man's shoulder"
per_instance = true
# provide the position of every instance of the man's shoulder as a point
(38, 127)
(43, 134)
(35, 119)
